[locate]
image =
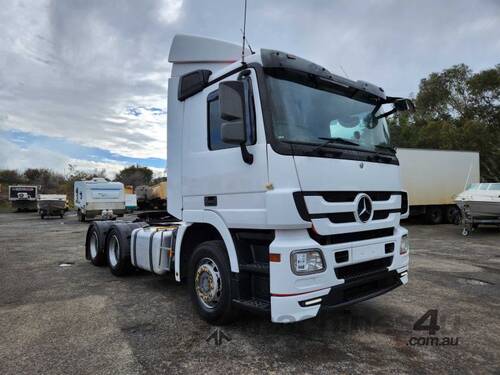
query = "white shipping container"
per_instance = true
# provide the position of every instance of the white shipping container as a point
(433, 178)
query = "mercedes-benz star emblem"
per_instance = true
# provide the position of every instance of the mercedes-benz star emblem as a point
(364, 208)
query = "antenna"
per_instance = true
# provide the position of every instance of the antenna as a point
(341, 67)
(244, 31)
(248, 44)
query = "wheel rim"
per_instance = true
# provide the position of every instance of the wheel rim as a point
(94, 245)
(208, 283)
(114, 251)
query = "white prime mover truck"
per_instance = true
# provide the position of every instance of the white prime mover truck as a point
(433, 178)
(99, 197)
(284, 196)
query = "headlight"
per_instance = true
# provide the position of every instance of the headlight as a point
(304, 262)
(405, 245)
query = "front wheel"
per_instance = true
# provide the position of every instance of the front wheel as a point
(210, 282)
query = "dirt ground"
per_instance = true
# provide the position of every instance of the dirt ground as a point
(59, 314)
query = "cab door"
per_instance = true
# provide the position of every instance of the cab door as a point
(215, 176)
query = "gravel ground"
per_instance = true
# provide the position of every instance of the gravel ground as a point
(80, 319)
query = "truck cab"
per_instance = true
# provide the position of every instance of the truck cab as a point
(284, 194)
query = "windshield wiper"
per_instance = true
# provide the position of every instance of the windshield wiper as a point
(386, 146)
(334, 140)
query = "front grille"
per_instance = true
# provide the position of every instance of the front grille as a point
(342, 217)
(383, 214)
(404, 203)
(344, 197)
(348, 196)
(362, 269)
(351, 237)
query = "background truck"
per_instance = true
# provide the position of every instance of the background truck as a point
(433, 178)
(130, 202)
(284, 197)
(51, 205)
(23, 197)
(152, 197)
(141, 194)
(156, 196)
(99, 197)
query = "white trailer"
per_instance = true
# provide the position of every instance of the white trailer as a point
(23, 197)
(51, 205)
(99, 197)
(433, 178)
(269, 208)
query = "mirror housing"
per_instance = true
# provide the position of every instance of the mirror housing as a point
(233, 132)
(403, 105)
(232, 100)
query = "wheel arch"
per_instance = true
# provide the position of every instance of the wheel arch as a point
(190, 235)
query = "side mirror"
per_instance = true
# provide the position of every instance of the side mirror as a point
(232, 100)
(232, 104)
(232, 111)
(233, 132)
(403, 105)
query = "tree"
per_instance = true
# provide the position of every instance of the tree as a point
(11, 176)
(456, 110)
(47, 179)
(135, 175)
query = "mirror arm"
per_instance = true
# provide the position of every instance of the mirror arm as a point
(247, 157)
(386, 114)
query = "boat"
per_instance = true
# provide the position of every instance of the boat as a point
(479, 204)
(51, 205)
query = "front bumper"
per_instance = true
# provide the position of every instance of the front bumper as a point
(361, 290)
(295, 298)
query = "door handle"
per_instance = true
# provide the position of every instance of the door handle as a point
(211, 201)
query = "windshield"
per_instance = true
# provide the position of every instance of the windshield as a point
(305, 114)
(473, 186)
(484, 186)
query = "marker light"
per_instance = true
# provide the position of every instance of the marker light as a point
(405, 245)
(305, 262)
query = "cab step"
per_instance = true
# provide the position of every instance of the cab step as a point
(254, 305)
(255, 268)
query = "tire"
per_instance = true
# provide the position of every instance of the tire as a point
(81, 216)
(452, 214)
(434, 215)
(94, 244)
(208, 261)
(118, 252)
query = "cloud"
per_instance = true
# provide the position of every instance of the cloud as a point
(170, 10)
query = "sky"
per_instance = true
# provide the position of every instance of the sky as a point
(84, 83)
